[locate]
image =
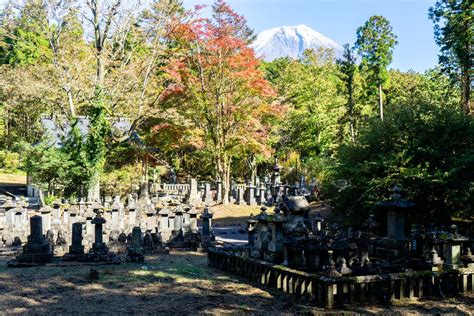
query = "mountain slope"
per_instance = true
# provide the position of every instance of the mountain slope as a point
(290, 41)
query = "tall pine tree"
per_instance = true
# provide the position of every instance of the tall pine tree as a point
(454, 33)
(375, 43)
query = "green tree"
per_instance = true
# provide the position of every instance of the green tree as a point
(454, 33)
(48, 165)
(22, 40)
(347, 68)
(408, 88)
(221, 88)
(375, 43)
(427, 150)
(310, 88)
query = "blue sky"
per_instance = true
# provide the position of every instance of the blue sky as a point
(339, 19)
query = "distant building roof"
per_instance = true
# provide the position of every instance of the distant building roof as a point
(57, 131)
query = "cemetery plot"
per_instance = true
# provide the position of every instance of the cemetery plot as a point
(179, 283)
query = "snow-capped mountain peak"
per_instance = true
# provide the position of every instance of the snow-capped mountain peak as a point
(291, 41)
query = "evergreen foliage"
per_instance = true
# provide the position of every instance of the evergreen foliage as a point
(426, 150)
(454, 33)
(375, 43)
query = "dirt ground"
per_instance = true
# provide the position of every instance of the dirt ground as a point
(179, 283)
(239, 214)
(234, 214)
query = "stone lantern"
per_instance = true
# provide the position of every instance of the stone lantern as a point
(251, 224)
(99, 245)
(261, 242)
(206, 218)
(452, 249)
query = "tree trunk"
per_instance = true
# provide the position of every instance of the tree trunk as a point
(351, 118)
(466, 94)
(226, 185)
(223, 174)
(380, 101)
(144, 182)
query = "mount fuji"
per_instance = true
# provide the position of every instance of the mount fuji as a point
(291, 41)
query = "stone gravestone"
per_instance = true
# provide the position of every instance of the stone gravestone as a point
(135, 251)
(37, 250)
(76, 250)
(396, 208)
(240, 197)
(193, 220)
(219, 191)
(233, 192)
(56, 218)
(115, 218)
(207, 193)
(251, 195)
(261, 197)
(165, 230)
(193, 195)
(47, 218)
(131, 214)
(257, 186)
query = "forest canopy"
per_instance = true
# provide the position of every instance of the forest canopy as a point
(202, 103)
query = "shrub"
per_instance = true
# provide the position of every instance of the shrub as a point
(427, 151)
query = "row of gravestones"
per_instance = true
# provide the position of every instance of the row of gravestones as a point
(38, 250)
(292, 238)
(255, 192)
(57, 221)
(260, 193)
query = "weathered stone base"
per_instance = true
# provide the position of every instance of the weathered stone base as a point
(29, 260)
(273, 256)
(135, 255)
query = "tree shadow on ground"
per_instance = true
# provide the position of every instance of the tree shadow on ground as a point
(179, 283)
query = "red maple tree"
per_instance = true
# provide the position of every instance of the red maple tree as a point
(220, 88)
